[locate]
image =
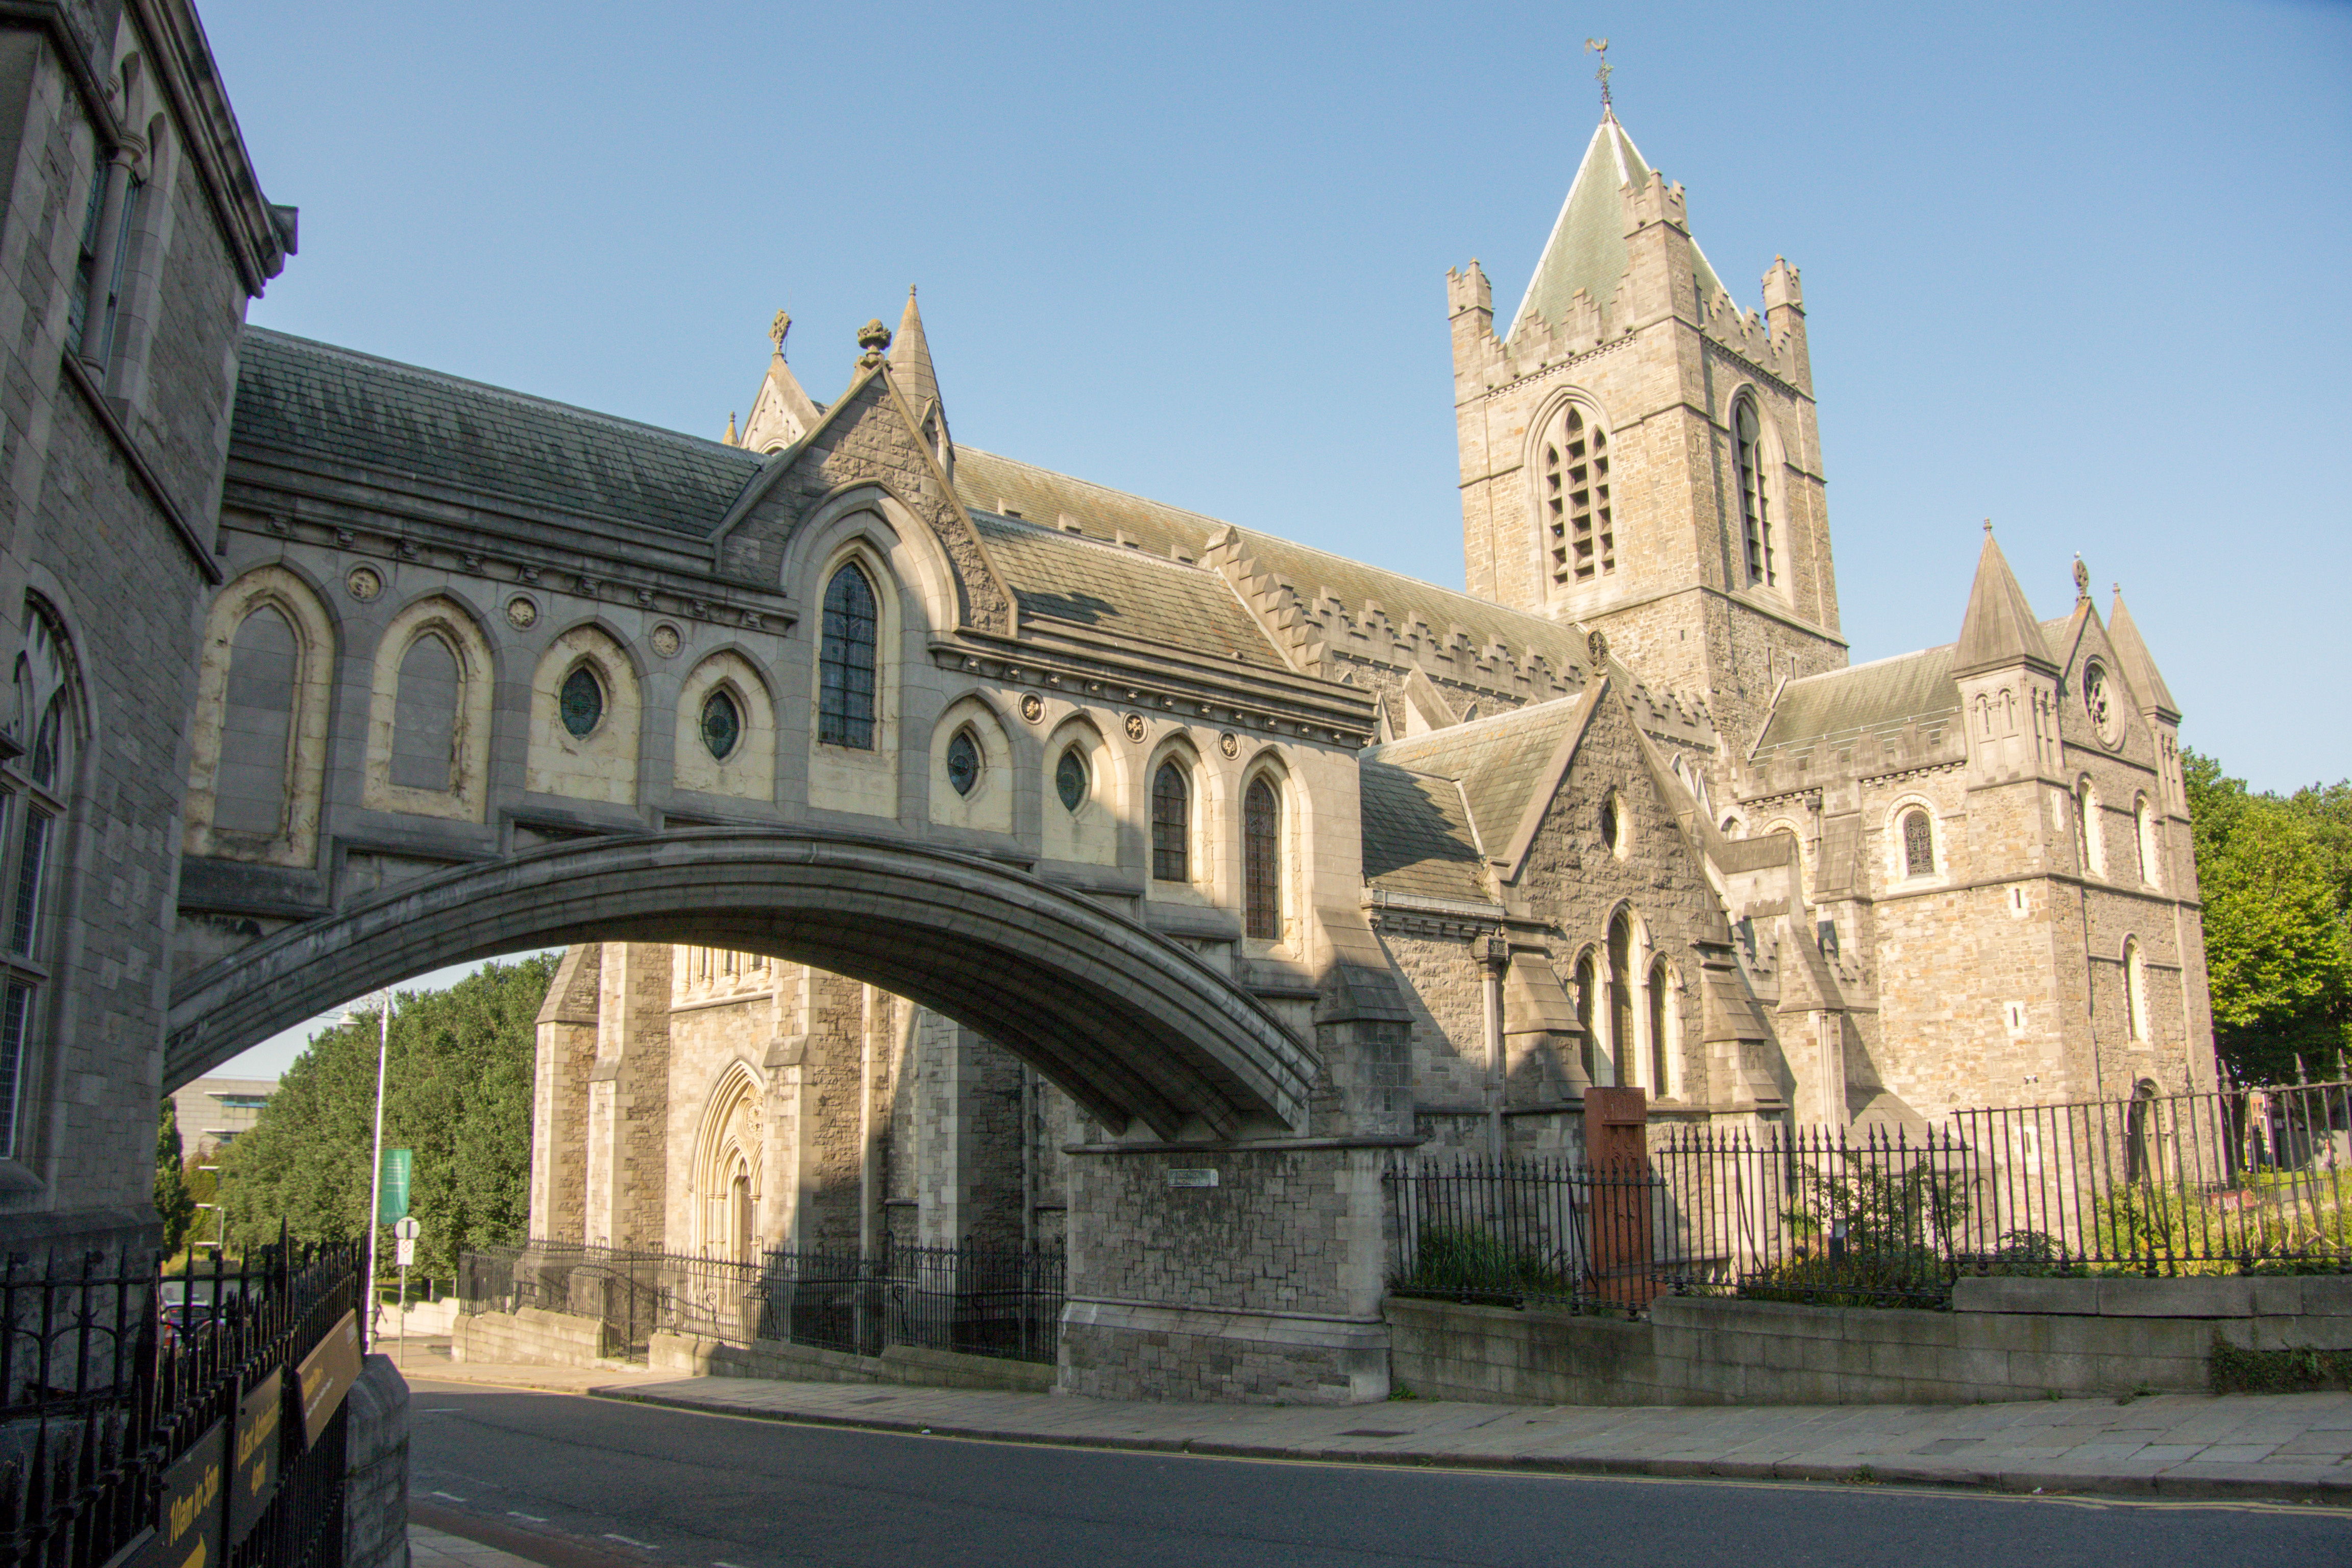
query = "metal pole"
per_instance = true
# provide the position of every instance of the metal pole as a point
(376, 1175)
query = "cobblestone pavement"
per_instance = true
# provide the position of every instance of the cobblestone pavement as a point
(2295, 1447)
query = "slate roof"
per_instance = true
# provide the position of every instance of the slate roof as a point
(1417, 836)
(1587, 248)
(1883, 699)
(1122, 593)
(1999, 626)
(296, 395)
(1499, 762)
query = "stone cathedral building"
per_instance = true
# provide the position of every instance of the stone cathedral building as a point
(1619, 812)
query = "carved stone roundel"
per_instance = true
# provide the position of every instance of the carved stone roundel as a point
(2099, 704)
(1135, 728)
(363, 584)
(522, 614)
(666, 639)
(1230, 743)
(1032, 707)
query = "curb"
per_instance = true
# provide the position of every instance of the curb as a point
(2157, 1485)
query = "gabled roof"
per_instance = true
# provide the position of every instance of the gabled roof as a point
(1122, 593)
(295, 396)
(1587, 248)
(2000, 627)
(1880, 698)
(1502, 762)
(1417, 834)
(2140, 666)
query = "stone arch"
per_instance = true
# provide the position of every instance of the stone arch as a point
(1796, 835)
(443, 617)
(1896, 839)
(729, 1145)
(601, 762)
(306, 711)
(1090, 833)
(1129, 1025)
(988, 807)
(749, 771)
(868, 514)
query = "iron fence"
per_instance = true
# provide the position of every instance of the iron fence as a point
(2235, 1180)
(116, 1378)
(976, 1300)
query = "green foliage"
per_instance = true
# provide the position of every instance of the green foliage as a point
(1910, 1277)
(2275, 873)
(1471, 1260)
(174, 1204)
(2237, 1371)
(457, 1093)
(1872, 1205)
(2293, 1223)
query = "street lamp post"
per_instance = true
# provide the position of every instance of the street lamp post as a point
(375, 1177)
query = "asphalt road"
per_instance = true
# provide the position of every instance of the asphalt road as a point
(586, 1483)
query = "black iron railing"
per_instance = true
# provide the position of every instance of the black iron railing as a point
(2224, 1181)
(976, 1300)
(115, 1375)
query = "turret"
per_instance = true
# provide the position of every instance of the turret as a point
(2154, 700)
(2007, 678)
(1784, 313)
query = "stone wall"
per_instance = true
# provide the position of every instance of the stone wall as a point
(375, 1468)
(692, 1356)
(2005, 1339)
(530, 1336)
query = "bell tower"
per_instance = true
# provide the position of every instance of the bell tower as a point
(1641, 456)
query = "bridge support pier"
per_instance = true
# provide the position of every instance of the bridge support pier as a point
(1264, 1287)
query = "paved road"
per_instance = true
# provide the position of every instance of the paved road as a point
(600, 1484)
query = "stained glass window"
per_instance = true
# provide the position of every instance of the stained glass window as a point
(963, 763)
(845, 667)
(582, 703)
(1070, 780)
(722, 725)
(1919, 844)
(1172, 825)
(1262, 861)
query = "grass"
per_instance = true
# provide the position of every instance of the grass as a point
(2233, 1370)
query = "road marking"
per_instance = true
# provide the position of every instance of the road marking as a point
(716, 1563)
(532, 1517)
(453, 1497)
(439, 1410)
(640, 1545)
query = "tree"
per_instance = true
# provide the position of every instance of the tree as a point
(174, 1204)
(2276, 877)
(458, 1095)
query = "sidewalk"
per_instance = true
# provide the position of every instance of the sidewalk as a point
(2295, 1448)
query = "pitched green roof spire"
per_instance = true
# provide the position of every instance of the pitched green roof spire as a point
(1587, 248)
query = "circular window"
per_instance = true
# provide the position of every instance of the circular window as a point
(1070, 780)
(2105, 714)
(582, 703)
(963, 763)
(722, 725)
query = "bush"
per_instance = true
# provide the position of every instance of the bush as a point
(1471, 1260)
(1908, 1277)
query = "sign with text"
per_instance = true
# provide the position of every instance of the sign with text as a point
(188, 1519)
(260, 1434)
(327, 1375)
(1191, 1176)
(391, 1196)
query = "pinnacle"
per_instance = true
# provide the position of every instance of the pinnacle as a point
(911, 359)
(2000, 627)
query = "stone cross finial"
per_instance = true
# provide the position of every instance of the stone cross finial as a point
(2082, 579)
(1987, 528)
(1600, 47)
(778, 328)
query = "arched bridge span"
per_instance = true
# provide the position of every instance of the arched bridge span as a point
(1128, 1024)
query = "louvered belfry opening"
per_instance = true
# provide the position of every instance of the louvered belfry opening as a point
(1575, 496)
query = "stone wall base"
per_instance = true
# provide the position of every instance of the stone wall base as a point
(691, 1356)
(375, 1468)
(1120, 1350)
(531, 1336)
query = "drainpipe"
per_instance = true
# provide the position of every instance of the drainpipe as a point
(1497, 954)
(1028, 1155)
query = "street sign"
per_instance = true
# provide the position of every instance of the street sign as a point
(405, 1229)
(393, 1203)
(404, 1252)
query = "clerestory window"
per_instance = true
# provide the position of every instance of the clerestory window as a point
(1262, 861)
(847, 665)
(1172, 825)
(1572, 496)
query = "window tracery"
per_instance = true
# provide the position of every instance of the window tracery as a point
(847, 666)
(1574, 499)
(1919, 843)
(1754, 495)
(1262, 861)
(1172, 825)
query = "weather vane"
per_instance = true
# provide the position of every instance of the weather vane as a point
(778, 327)
(1600, 47)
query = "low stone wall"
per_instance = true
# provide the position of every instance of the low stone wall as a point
(2004, 1339)
(691, 1357)
(422, 1319)
(375, 1468)
(531, 1336)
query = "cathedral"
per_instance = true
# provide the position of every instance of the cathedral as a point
(1619, 812)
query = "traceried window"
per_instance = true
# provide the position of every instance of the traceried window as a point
(1572, 498)
(1919, 843)
(963, 763)
(722, 724)
(1754, 495)
(35, 792)
(1070, 780)
(1261, 860)
(847, 666)
(582, 703)
(1172, 825)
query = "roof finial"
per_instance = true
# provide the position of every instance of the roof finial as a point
(1600, 47)
(2082, 580)
(1987, 528)
(778, 328)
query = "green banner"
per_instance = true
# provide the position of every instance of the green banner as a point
(393, 1202)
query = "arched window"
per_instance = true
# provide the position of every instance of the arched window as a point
(258, 726)
(1262, 861)
(1587, 1012)
(1070, 781)
(1919, 843)
(1755, 496)
(581, 702)
(2086, 829)
(963, 763)
(2151, 860)
(2135, 992)
(1612, 824)
(34, 794)
(1572, 498)
(1172, 825)
(722, 724)
(424, 717)
(1662, 1027)
(1621, 987)
(847, 665)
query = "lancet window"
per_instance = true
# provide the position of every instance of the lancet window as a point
(847, 665)
(1579, 528)
(1754, 495)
